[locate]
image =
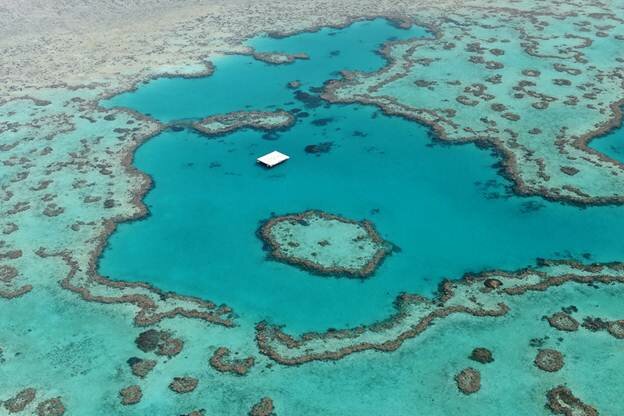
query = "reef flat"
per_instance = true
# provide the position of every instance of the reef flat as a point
(79, 342)
(325, 243)
(227, 123)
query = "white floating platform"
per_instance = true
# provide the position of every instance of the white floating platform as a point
(272, 159)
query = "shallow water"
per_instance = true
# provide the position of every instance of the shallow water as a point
(446, 207)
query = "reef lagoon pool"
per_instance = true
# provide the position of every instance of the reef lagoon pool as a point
(445, 207)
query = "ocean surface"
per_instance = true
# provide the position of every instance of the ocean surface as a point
(445, 206)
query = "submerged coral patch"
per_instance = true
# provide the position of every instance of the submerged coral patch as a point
(130, 395)
(263, 408)
(468, 380)
(561, 401)
(51, 407)
(183, 385)
(221, 361)
(325, 243)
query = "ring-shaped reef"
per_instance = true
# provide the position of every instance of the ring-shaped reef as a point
(326, 244)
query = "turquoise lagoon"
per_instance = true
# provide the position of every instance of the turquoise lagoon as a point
(446, 207)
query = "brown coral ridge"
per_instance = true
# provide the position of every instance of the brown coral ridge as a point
(549, 360)
(468, 380)
(51, 407)
(561, 401)
(273, 342)
(131, 395)
(509, 167)
(266, 334)
(278, 58)
(614, 328)
(183, 385)
(221, 362)
(263, 408)
(149, 307)
(482, 355)
(258, 120)
(274, 247)
(82, 278)
(140, 367)
(563, 322)
(160, 342)
(200, 412)
(8, 275)
(19, 402)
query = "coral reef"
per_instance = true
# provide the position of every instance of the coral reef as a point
(324, 147)
(159, 342)
(69, 179)
(325, 244)
(19, 402)
(140, 367)
(415, 314)
(468, 380)
(97, 184)
(481, 355)
(549, 360)
(183, 385)
(278, 58)
(51, 407)
(561, 401)
(614, 328)
(259, 120)
(554, 160)
(131, 395)
(563, 322)
(222, 362)
(263, 408)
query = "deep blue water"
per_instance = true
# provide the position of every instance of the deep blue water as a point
(444, 206)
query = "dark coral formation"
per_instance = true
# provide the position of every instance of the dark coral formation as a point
(406, 65)
(183, 385)
(294, 84)
(278, 58)
(595, 324)
(131, 395)
(561, 401)
(324, 147)
(277, 253)
(481, 355)
(563, 322)
(160, 342)
(263, 408)
(153, 304)
(468, 380)
(549, 360)
(51, 407)
(492, 283)
(19, 402)
(199, 412)
(260, 120)
(285, 349)
(141, 367)
(222, 362)
(614, 328)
